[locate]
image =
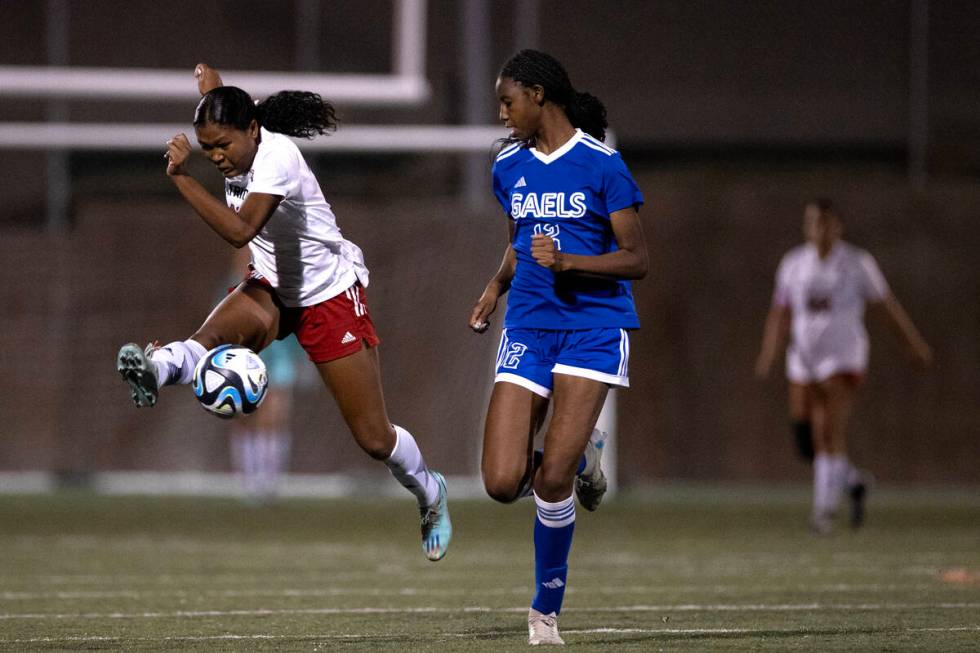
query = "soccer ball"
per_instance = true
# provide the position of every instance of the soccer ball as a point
(230, 381)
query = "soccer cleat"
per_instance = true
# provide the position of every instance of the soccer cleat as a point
(592, 487)
(542, 629)
(437, 529)
(859, 494)
(138, 371)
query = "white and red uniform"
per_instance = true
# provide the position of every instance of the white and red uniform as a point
(300, 250)
(302, 255)
(827, 298)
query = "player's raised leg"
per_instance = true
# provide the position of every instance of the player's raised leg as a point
(355, 382)
(247, 316)
(508, 464)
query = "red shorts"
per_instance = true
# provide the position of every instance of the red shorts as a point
(332, 329)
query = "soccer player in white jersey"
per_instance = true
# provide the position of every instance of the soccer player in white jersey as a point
(304, 278)
(822, 288)
(575, 244)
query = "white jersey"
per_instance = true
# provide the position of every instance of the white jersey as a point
(827, 299)
(300, 250)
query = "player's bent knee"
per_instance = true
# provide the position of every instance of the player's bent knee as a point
(502, 489)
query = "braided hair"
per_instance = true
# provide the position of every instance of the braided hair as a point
(294, 113)
(534, 68)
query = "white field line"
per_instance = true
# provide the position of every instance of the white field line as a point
(464, 635)
(749, 607)
(426, 591)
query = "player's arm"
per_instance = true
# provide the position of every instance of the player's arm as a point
(775, 334)
(902, 324)
(207, 78)
(237, 228)
(498, 285)
(630, 261)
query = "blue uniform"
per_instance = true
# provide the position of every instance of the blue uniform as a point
(564, 323)
(568, 195)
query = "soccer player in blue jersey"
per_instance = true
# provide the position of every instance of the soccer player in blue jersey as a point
(575, 244)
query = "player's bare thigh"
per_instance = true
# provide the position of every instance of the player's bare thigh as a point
(355, 382)
(515, 414)
(837, 395)
(800, 401)
(247, 316)
(577, 404)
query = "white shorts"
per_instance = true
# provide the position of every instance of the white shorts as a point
(816, 368)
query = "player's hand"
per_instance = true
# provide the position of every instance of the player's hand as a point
(207, 78)
(178, 151)
(485, 306)
(545, 253)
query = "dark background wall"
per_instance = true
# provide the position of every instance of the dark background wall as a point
(730, 115)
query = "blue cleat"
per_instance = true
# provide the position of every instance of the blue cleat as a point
(437, 529)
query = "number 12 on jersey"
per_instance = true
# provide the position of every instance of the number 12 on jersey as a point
(551, 230)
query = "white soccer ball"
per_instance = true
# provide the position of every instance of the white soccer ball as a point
(230, 380)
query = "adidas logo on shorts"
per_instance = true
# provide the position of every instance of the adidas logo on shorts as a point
(348, 338)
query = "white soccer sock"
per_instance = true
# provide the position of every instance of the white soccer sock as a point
(271, 458)
(407, 465)
(556, 514)
(175, 362)
(839, 465)
(245, 460)
(821, 483)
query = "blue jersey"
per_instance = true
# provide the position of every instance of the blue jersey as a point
(568, 195)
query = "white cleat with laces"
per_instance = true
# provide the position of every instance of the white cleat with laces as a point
(542, 629)
(591, 484)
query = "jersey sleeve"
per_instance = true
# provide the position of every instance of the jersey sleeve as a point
(621, 191)
(874, 288)
(499, 191)
(782, 293)
(276, 171)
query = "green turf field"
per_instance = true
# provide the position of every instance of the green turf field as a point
(690, 570)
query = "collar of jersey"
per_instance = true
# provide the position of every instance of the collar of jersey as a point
(833, 254)
(560, 152)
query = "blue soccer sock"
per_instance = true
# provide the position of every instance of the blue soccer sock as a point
(553, 529)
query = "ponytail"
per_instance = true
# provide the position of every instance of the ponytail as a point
(296, 113)
(293, 113)
(586, 112)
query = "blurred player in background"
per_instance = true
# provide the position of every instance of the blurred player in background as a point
(822, 288)
(304, 278)
(260, 444)
(575, 242)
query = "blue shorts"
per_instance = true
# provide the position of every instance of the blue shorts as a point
(529, 357)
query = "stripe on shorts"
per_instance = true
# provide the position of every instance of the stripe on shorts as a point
(502, 348)
(355, 298)
(624, 353)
